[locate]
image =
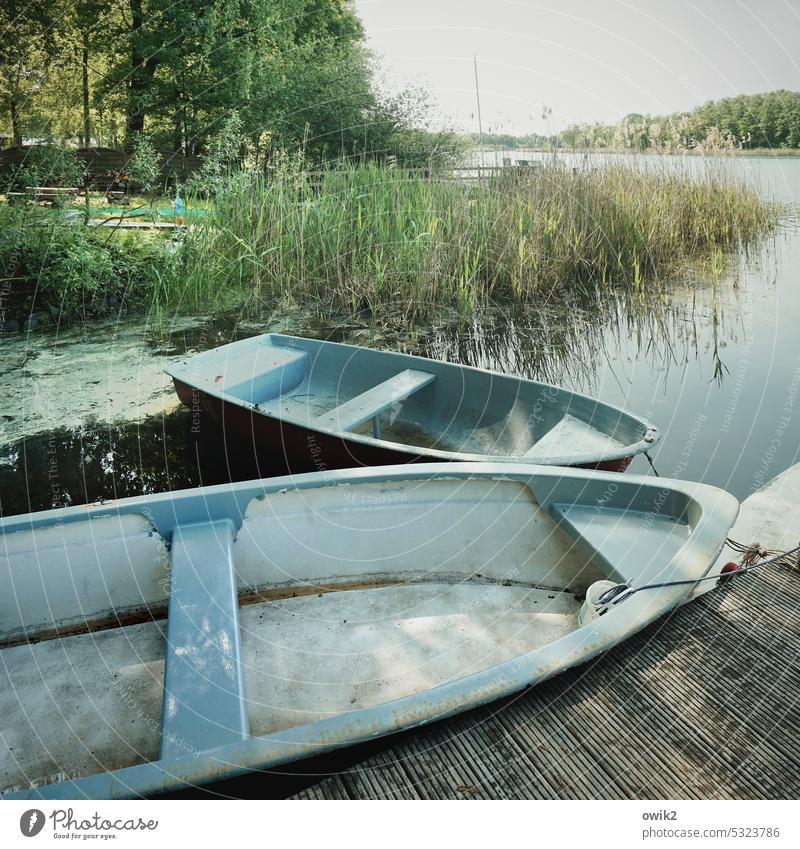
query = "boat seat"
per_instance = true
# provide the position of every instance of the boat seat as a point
(370, 404)
(260, 375)
(614, 538)
(203, 686)
(571, 436)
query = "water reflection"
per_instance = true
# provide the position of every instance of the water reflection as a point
(619, 350)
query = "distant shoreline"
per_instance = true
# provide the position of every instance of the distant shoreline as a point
(767, 152)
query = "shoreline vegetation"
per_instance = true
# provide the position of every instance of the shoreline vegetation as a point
(769, 121)
(280, 168)
(376, 240)
(775, 153)
(373, 240)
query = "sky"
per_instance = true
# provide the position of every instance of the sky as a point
(588, 60)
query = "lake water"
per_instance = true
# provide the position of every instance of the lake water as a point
(86, 412)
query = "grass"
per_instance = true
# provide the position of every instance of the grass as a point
(369, 238)
(138, 206)
(75, 272)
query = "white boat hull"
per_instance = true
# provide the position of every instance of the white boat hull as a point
(389, 599)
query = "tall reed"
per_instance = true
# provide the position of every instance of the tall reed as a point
(369, 237)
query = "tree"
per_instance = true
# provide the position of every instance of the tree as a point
(26, 38)
(89, 22)
(295, 72)
(335, 19)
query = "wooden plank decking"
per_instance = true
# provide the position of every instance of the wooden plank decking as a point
(703, 704)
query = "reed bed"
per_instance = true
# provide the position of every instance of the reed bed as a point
(369, 238)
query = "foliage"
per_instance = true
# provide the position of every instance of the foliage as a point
(296, 74)
(45, 165)
(399, 130)
(178, 69)
(144, 167)
(506, 141)
(222, 154)
(78, 271)
(414, 147)
(26, 37)
(769, 120)
(758, 120)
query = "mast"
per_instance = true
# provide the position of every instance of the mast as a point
(478, 99)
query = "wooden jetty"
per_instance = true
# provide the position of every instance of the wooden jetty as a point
(128, 224)
(466, 175)
(701, 705)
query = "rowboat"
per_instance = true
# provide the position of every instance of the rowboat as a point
(169, 640)
(337, 406)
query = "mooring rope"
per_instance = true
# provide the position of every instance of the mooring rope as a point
(752, 553)
(652, 464)
(789, 559)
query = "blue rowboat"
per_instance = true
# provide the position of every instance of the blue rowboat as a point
(169, 640)
(333, 406)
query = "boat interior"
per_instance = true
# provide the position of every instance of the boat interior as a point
(411, 401)
(276, 619)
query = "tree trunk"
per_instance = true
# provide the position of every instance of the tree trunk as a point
(179, 101)
(137, 83)
(87, 126)
(177, 132)
(16, 130)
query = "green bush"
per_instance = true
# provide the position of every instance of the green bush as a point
(415, 148)
(144, 166)
(47, 166)
(80, 272)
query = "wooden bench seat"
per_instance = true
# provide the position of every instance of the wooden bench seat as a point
(370, 404)
(118, 197)
(42, 195)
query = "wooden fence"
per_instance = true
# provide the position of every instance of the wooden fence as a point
(105, 165)
(464, 174)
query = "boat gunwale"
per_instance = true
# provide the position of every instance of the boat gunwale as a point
(649, 439)
(242, 492)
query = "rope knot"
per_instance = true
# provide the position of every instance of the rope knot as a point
(753, 553)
